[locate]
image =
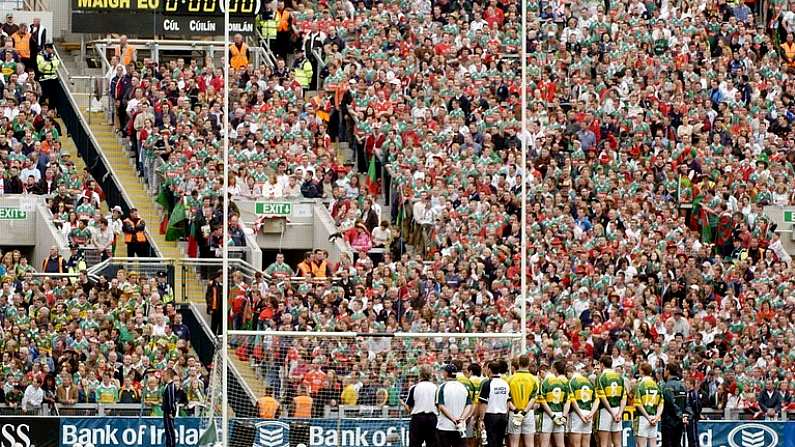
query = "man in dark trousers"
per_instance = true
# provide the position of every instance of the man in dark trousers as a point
(134, 229)
(695, 401)
(213, 299)
(676, 413)
(421, 403)
(169, 407)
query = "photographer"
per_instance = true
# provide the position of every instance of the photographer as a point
(48, 64)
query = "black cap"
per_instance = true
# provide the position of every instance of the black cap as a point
(161, 274)
(450, 368)
(73, 246)
(48, 46)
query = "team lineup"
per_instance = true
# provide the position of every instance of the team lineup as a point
(532, 406)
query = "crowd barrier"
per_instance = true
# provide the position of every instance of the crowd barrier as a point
(349, 432)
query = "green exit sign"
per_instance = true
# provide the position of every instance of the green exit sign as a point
(789, 216)
(13, 214)
(274, 208)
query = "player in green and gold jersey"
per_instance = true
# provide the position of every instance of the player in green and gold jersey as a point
(523, 389)
(613, 396)
(471, 378)
(554, 401)
(649, 402)
(584, 406)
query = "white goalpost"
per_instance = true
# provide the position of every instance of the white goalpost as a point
(356, 383)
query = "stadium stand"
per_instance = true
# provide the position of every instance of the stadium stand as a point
(656, 138)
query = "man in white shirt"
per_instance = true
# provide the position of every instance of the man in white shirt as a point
(33, 398)
(455, 407)
(421, 402)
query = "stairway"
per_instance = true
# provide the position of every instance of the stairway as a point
(124, 168)
(247, 373)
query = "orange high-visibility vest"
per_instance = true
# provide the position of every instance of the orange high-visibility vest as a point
(267, 407)
(22, 44)
(282, 21)
(303, 406)
(789, 51)
(140, 236)
(239, 59)
(129, 52)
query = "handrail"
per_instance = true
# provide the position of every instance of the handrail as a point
(61, 65)
(100, 152)
(110, 41)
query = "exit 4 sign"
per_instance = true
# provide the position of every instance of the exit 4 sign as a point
(789, 216)
(274, 208)
(13, 214)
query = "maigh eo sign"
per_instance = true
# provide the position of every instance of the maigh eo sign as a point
(274, 208)
(12, 214)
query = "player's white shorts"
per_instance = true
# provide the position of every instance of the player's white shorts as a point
(528, 426)
(548, 426)
(606, 422)
(645, 429)
(577, 425)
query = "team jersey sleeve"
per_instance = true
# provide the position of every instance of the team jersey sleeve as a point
(410, 399)
(541, 397)
(600, 389)
(484, 391)
(440, 395)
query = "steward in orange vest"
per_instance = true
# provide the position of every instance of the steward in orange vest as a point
(238, 53)
(134, 229)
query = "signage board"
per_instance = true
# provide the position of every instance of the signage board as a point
(164, 17)
(7, 213)
(274, 208)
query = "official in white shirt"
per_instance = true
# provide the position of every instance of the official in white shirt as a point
(494, 396)
(455, 407)
(421, 402)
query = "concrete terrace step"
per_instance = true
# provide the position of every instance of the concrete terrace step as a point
(247, 372)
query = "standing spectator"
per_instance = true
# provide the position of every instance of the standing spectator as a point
(22, 44)
(284, 31)
(134, 229)
(38, 38)
(421, 403)
(102, 239)
(9, 28)
(107, 391)
(770, 400)
(33, 398)
(455, 407)
(67, 392)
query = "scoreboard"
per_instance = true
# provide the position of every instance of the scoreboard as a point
(164, 17)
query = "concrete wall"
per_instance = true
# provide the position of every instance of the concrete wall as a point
(309, 226)
(785, 230)
(36, 231)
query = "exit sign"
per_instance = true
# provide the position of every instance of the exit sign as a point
(274, 208)
(13, 214)
(789, 216)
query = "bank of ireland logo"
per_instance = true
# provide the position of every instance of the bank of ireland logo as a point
(753, 435)
(272, 434)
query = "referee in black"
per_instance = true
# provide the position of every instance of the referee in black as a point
(494, 394)
(169, 407)
(421, 402)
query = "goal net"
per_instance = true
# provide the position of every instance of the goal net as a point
(340, 389)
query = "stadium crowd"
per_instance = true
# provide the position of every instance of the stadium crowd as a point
(656, 136)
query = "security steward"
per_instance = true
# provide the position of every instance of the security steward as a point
(239, 54)
(134, 229)
(421, 403)
(676, 413)
(48, 64)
